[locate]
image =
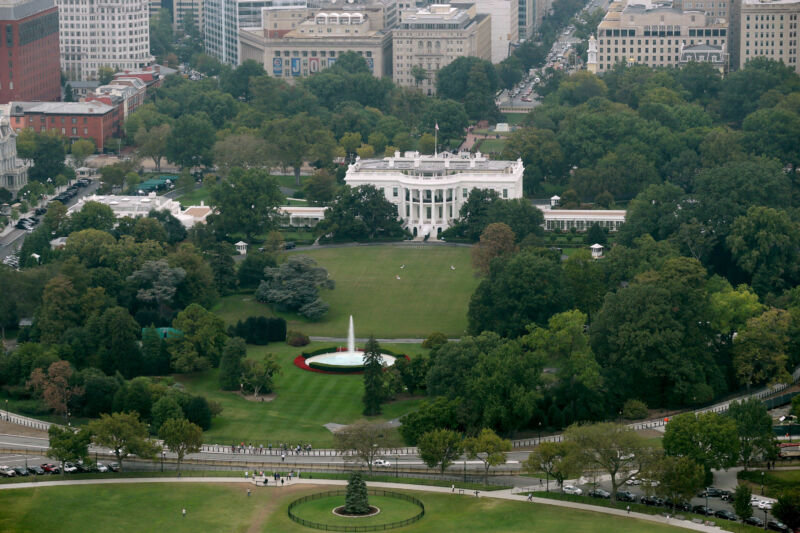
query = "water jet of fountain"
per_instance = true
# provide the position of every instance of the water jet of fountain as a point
(351, 337)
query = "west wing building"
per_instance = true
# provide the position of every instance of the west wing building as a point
(429, 190)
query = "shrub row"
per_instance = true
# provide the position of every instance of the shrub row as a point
(259, 330)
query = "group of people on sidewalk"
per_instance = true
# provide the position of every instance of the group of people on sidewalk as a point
(261, 450)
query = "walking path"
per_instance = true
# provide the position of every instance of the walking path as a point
(499, 495)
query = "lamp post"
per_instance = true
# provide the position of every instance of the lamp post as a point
(68, 415)
(762, 482)
(765, 517)
(540, 432)
(162, 460)
(7, 410)
(396, 458)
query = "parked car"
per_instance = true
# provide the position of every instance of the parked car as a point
(381, 462)
(727, 515)
(754, 521)
(114, 467)
(774, 525)
(20, 470)
(625, 496)
(7, 472)
(102, 468)
(754, 501)
(600, 493)
(571, 489)
(70, 468)
(633, 481)
(35, 470)
(765, 505)
(51, 468)
(652, 500)
(711, 492)
(679, 506)
(702, 509)
(288, 245)
(726, 495)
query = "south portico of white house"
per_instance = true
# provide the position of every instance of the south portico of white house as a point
(429, 190)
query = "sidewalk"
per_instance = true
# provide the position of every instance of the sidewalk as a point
(500, 494)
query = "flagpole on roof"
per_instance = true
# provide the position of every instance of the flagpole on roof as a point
(436, 140)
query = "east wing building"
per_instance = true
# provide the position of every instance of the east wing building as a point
(429, 190)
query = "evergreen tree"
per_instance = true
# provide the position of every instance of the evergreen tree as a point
(230, 366)
(355, 500)
(373, 378)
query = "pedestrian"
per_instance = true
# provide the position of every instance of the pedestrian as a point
(248, 493)
(628, 508)
(283, 457)
(281, 482)
(476, 494)
(184, 512)
(540, 482)
(245, 474)
(452, 488)
(530, 497)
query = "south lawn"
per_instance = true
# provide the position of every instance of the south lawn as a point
(304, 402)
(429, 296)
(227, 508)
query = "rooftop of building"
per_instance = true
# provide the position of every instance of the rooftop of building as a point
(751, 3)
(445, 160)
(20, 9)
(60, 108)
(437, 13)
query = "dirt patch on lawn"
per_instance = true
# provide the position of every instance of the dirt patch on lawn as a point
(262, 398)
(267, 509)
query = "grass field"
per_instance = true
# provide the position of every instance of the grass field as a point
(428, 297)
(227, 508)
(775, 481)
(195, 196)
(392, 510)
(304, 402)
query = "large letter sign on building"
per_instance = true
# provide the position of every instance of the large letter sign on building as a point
(295, 66)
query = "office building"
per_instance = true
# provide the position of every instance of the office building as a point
(765, 29)
(433, 37)
(97, 121)
(505, 25)
(103, 34)
(316, 42)
(653, 34)
(29, 54)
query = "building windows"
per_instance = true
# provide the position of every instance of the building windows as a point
(394, 192)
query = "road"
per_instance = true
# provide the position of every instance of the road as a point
(12, 241)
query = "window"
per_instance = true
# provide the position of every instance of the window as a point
(464, 192)
(394, 192)
(505, 193)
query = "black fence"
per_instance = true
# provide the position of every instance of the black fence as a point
(370, 527)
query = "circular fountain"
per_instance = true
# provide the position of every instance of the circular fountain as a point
(349, 360)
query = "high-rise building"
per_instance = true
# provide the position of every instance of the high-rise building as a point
(656, 34)
(103, 33)
(29, 55)
(433, 37)
(505, 25)
(765, 28)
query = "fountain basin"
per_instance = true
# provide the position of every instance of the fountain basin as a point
(344, 360)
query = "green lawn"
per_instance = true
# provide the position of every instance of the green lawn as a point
(428, 297)
(195, 196)
(304, 402)
(227, 508)
(466, 514)
(775, 481)
(392, 510)
(491, 146)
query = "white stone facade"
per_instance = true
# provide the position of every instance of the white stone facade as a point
(93, 34)
(430, 190)
(13, 172)
(505, 25)
(140, 206)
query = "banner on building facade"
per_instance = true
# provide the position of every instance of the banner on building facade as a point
(370, 64)
(313, 65)
(277, 66)
(295, 66)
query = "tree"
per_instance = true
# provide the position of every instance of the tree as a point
(426, 143)
(202, 341)
(59, 310)
(497, 240)
(156, 282)
(760, 348)
(230, 365)
(247, 202)
(419, 74)
(489, 448)
(181, 437)
(440, 447)
(787, 509)
(525, 288)
(361, 213)
(152, 143)
(320, 188)
(47, 154)
(55, 387)
(299, 138)
(710, 439)
(164, 409)
(355, 500)
(93, 215)
(610, 448)
(80, 150)
(679, 478)
(742, 504)
(257, 375)
(105, 74)
(361, 441)
(552, 458)
(373, 378)
(754, 426)
(115, 337)
(191, 140)
(124, 434)
(242, 150)
(67, 444)
(584, 282)
(295, 285)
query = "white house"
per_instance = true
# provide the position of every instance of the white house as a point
(429, 190)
